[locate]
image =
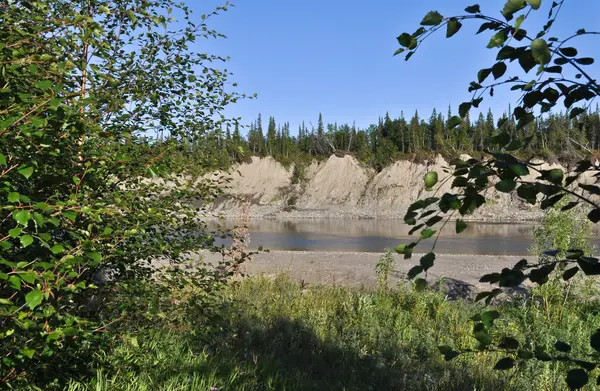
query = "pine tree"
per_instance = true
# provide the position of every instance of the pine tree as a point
(404, 134)
(463, 142)
(480, 133)
(237, 138)
(278, 145)
(300, 137)
(312, 141)
(271, 136)
(490, 126)
(386, 129)
(260, 138)
(305, 139)
(320, 127)
(511, 125)
(431, 128)
(361, 146)
(252, 138)
(373, 132)
(286, 143)
(415, 133)
(449, 132)
(439, 134)
(397, 133)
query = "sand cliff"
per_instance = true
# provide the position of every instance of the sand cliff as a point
(344, 187)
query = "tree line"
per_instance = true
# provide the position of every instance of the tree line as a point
(390, 138)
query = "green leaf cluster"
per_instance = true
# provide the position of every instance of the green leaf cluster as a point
(84, 191)
(561, 245)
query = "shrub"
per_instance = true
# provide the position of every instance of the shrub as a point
(384, 267)
(561, 230)
(299, 173)
(85, 193)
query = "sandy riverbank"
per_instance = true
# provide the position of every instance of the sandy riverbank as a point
(358, 269)
(342, 187)
(260, 212)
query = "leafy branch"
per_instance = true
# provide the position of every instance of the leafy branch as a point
(505, 172)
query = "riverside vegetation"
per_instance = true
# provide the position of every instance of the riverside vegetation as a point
(275, 333)
(87, 199)
(91, 207)
(559, 67)
(278, 336)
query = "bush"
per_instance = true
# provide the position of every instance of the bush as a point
(561, 231)
(84, 192)
(384, 267)
(299, 173)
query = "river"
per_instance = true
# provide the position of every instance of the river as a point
(377, 235)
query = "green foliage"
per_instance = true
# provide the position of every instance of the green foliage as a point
(299, 173)
(391, 139)
(562, 230)
(430, 179)
(280, 335)
(562, 241)
(86, 199)
(384, 267)
(540, 51)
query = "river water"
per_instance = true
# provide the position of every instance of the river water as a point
(376, 235)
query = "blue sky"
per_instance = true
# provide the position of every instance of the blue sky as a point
(335, 57)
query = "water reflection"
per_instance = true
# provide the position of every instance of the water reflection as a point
(375, 235)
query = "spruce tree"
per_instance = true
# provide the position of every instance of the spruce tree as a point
(431, 128)
(271, 136)
(260, 138)
(463, 142)
(320, 127)
(397, 133)
(404, 134)
(439, 134)
(449, 132)
(386, 129)
(252, 138)
(415, 133)
(300, 138)
(511, 125)
(480, 133)
(490, 126)
(278, 145)
(237, 138)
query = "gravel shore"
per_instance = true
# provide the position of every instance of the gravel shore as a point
(358, 269)
(258, 212)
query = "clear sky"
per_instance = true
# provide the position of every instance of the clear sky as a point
(335, 57)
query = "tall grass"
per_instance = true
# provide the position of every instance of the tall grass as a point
(278, 335)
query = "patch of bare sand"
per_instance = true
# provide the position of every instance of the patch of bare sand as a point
(341, 181)
(358, 269)
(261, 182)
(400, 184)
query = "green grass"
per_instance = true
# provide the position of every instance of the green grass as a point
(277, 336)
